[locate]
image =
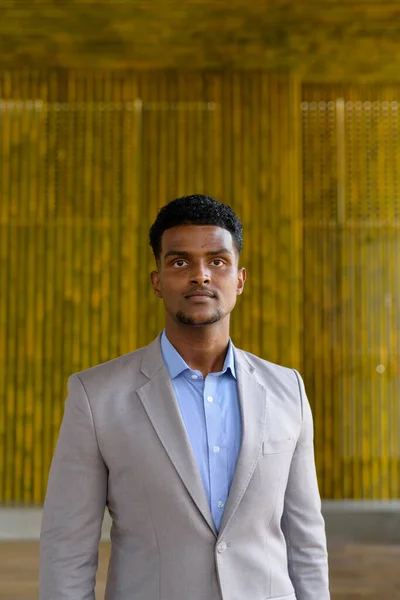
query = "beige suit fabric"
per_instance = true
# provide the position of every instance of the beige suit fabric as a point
(123, 444)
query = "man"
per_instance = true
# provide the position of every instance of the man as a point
(202, 453)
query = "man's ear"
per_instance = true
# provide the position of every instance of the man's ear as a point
(155, 282)
(241, 280)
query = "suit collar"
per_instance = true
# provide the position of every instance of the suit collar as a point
(152, 360)
(242, 360)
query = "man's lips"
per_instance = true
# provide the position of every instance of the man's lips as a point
(200, 294)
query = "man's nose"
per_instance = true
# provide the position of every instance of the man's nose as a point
(200, 275)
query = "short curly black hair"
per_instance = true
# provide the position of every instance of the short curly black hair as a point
(196, 209)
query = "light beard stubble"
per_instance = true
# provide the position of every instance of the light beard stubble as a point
(185, 320)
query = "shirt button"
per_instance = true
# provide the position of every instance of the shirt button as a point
(210, 399)
(220, 504)
(195, 376)
(222, 547)
(216, 449)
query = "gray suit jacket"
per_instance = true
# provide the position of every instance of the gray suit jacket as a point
(123, 445)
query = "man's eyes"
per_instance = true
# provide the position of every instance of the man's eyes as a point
(181, 263)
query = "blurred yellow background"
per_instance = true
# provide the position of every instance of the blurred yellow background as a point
(288, 111)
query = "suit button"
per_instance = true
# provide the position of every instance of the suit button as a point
(222, 547)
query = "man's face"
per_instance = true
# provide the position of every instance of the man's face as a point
(198, 276)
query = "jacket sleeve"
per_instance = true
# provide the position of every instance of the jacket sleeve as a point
(74, 505)
(302, 521)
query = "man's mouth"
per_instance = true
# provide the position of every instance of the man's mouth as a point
(200, 294)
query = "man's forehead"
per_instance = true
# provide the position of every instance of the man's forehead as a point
(196, 237)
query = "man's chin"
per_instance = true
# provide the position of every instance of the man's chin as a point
(198, 320)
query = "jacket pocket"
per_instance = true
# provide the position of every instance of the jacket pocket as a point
(278, 447)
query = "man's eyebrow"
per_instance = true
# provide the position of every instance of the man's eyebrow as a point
(175, 253)
(186, 254)
(220, 251)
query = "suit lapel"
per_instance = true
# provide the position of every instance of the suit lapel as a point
(159, 401)
(253, 404)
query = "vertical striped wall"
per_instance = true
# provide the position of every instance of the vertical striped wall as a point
(351, 169)
(86, 160)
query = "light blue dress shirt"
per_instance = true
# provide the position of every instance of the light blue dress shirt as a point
(211, 413)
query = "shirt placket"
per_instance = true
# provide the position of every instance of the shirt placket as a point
(217, 450)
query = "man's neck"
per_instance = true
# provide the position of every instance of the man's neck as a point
(202, 348)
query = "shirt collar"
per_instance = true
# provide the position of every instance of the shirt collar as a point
(176, 365)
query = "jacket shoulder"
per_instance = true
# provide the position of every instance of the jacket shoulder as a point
(121, 372)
